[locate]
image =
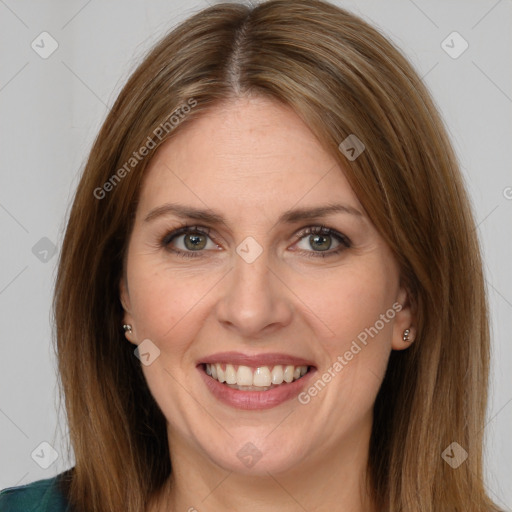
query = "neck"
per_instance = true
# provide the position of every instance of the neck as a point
(332, 480)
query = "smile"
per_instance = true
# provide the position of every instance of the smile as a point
(255, 381)
(262, 378)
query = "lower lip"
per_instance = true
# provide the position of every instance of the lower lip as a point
(255, 400)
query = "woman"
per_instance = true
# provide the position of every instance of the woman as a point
(270, 293)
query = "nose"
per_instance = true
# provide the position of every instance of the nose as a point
(254, 302)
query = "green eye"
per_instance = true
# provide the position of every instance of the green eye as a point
(320, 242)
(195, 241)
(188, 240)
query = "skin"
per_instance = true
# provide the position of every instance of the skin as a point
(250, 160)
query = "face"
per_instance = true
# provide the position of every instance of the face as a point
(252, 261)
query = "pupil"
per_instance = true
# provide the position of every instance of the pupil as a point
(195, 242)
(320, 242)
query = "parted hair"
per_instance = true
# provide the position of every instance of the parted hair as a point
(342, 77)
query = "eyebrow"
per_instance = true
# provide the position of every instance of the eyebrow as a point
(289, 216)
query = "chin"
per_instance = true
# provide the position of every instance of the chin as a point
(257, 455)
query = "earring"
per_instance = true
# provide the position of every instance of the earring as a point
(405, 336)
(127, 328)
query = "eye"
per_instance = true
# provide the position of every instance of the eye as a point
(188, 240)
(314, 241)
(321, 241)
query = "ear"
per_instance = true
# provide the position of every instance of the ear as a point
(404, 319)
(124, 297)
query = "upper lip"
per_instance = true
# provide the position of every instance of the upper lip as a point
(255, 360)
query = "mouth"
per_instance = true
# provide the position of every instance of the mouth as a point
(255, 382)
(261, 378)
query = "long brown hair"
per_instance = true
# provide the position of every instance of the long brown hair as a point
(343, 78)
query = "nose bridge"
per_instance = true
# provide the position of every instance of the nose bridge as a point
(252, 275)
(253, 301)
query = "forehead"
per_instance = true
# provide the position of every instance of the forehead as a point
(242, 154)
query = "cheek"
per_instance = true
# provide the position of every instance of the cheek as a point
(353, 341)
(164, 301)
(351, 301)
(354, 324)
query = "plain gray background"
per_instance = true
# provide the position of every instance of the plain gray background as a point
(52, 109)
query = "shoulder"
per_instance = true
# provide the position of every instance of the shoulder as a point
(47, 495)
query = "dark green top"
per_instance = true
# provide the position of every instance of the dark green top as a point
(42, 496)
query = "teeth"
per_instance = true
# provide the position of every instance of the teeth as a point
(277, 374)
(288, 373)
(243, 376)
(230, 374)
(263, 377)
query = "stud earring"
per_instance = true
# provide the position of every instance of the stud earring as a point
(405, 336)
(127, 328)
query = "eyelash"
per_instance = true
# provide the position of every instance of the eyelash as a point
(344, 242)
